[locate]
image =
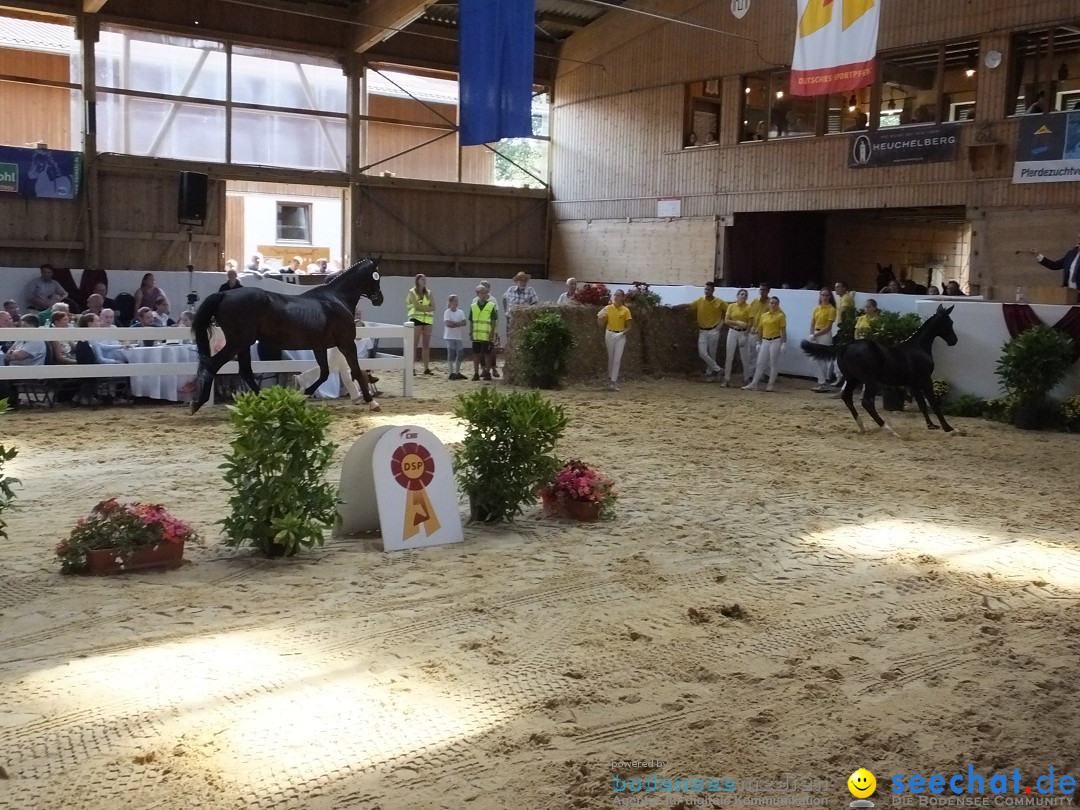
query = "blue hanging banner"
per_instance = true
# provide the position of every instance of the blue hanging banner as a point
(496, 70)
(40, 172)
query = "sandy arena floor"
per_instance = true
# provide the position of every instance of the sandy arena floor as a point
(905, 606)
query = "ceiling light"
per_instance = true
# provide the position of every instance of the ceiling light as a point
(779, 93)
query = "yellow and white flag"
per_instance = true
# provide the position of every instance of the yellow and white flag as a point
(835, 46)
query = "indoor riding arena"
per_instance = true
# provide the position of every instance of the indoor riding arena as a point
(772, 600)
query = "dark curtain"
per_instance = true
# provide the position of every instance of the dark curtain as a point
(1021, 317)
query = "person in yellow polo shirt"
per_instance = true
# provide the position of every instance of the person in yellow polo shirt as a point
(821, 324)
(710, 316)
(772, 330)
(863, 322)
(757, 306)
(739, 319)
(616, 320)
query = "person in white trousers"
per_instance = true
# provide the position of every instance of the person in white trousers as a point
(757, 307)
(772, 331)
(616, 320)
(738, 319)
(821, 324)
(710, 317)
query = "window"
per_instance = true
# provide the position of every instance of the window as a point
(929, 85)
(294, 222)
(702, 126)
(770, 111)
(1044, 71)
(42, 87)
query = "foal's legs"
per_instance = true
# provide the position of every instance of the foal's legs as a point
(921, 400)
(243, 359)
(869, 394)
(928, 392)
(208, 369)
(848, 394)
(324, 371)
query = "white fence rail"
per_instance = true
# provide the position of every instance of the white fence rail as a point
(136, 336)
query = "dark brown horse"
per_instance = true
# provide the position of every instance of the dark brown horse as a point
(319, 319)
(909, 365)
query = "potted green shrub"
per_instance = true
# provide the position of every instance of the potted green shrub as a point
(544, 348)
(1031, 364)
(281, 500)
(7, 494)
(892, 329)
(508, 450)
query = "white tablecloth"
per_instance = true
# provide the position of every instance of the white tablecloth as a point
(331, 389)
(173, 387)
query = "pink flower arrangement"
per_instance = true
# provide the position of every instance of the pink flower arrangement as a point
(124, 527)
(578, 481)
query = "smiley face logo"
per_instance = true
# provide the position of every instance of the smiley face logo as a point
(861, 783)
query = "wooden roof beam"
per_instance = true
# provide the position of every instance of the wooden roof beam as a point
(379, 21)
(93, 6)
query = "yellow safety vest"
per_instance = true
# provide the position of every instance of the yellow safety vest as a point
(414, 314)
(483, 319)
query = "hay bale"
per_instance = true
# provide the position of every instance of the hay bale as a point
(663, 341)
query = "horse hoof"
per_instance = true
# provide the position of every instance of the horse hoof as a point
(933, 427)
(374, 406)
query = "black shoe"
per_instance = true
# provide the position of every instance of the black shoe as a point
(485, 376)
(475, 377)
(495, 373)
(429, 372)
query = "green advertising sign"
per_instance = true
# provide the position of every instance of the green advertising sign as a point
(9, 177)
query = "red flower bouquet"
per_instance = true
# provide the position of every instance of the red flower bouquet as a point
(596, 295)
(582, 483)
(123, 527)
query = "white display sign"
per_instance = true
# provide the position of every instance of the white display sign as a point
(399, 478)
(739, 8)
(669, 207)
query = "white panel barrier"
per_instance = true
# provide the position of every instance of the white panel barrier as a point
(136, 335)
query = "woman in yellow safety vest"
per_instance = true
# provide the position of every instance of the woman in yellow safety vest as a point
(422, 315)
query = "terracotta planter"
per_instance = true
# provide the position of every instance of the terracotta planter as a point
(164, 555)
(549, 502)
(585, 511)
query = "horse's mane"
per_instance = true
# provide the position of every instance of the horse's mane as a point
(337, 279)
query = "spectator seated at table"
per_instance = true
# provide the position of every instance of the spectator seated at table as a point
(161, 313)
(44, 291)
(29, 352)
(63, 351)
(102, 289)
(45, 316)
(145, 318)
(148, 293)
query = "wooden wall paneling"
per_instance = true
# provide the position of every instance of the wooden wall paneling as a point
(234, 230)
(137, 223)
(679, 251)
(1051, 231)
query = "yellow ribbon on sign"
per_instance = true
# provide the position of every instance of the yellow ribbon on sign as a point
(419, 512)
(413, 468)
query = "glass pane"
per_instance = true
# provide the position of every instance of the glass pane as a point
(960, 80)
(755, 106)
(541, 114)
(286, 80)
(294, 223)
(846, 113)
(1030, 69)
(910, 81)
(420, 153)
(1066, 68)
(279, 139)
(520, 163)
(52, 115)
(407, 97)
(138, 126)
(128, 59)
(790, 116)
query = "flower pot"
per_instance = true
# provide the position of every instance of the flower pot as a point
(892, 398)
(585, 511)
(164, 555)
(549, 502)
(1029, 417)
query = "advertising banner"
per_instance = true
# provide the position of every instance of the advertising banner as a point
(835, 46)
(40, 172)
(893, 147)
(1048, 149)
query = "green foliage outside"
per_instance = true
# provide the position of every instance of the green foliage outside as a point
(7, 493)
(281, 501)
(508, 452)
(544, 347)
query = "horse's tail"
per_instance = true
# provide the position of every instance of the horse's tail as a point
(202, 324)
(819, 351)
